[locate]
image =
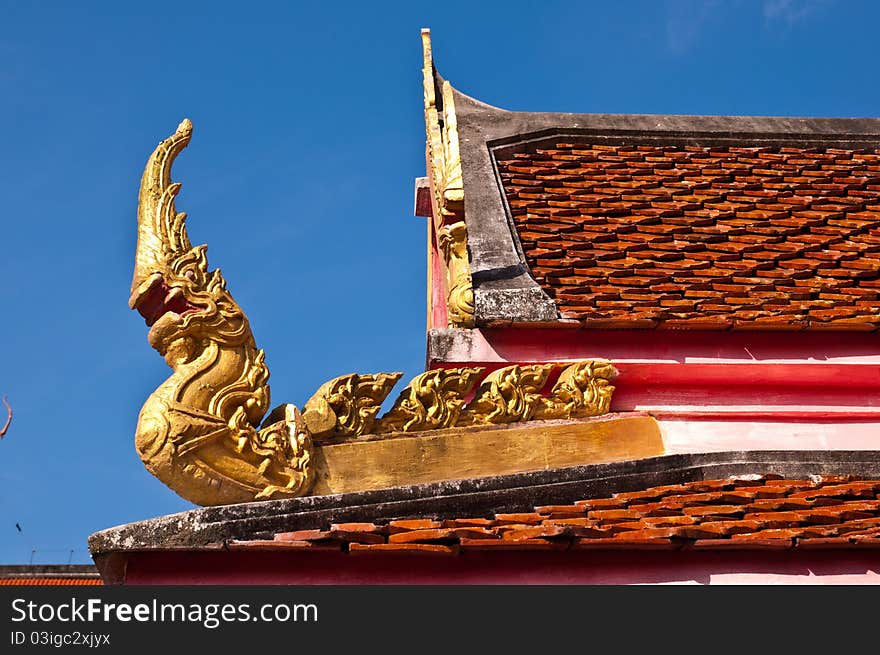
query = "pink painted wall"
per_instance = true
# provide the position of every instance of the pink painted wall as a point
(698, 435)
(437, 316)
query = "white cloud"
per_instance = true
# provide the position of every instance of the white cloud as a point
(686, 22)
(790, 11)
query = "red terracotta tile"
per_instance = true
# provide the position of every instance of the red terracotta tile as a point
(649, 494)
(527, 518)
(475, 533)
(717, 529)
(734, 200)
(536, 532)
(779, 533)
(508, 527)
(779, 505)
(858, 525)
(616, 527)
(714, 498)
(660, 509)
(613, 515)
(469, 523)
(404, 549)
(871, 506)
(371, 528)
(775, 520)
(580, 521)
(790, 485)
(560, 511)
(669, 521)
(581, 527)
(767, 492)
(650, 533)
(703, 486)
(714, 510)
(699, 323)
(279, 545)
(827, 516)
(404, 525)
(304, 535)
(423, 535)
(601, 503)
(365, 533)
(360, 537)
(519, 544)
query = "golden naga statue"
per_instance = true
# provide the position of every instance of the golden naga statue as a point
(197, 432)
(200, 431)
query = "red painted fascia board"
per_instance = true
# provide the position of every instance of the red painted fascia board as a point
(700, 374)
(541, 567)
(663, 346)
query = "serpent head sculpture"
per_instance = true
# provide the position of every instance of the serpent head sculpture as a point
(198, 432)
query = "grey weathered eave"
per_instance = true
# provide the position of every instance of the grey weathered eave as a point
(210, 527)
(505, 293)
(504, 290)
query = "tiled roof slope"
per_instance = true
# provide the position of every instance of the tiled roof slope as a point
(50, 582)
(48, 574)
(644, 236)
(742, 512)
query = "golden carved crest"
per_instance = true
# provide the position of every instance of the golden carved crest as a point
(508, 395)
(583, 389)
(347, 406)
(432, 400)
(441, 398)
(444, 168)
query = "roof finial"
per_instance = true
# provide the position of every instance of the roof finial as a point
(428, 59)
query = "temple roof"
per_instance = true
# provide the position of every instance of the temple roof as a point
(586, 220)
(645, 221)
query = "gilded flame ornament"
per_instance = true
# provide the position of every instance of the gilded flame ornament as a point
(347, 406)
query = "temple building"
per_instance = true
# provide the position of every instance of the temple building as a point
(652, 356)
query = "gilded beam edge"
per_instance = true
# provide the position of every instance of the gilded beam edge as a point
(444, 163)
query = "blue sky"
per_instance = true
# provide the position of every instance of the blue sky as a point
(308, 135)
